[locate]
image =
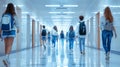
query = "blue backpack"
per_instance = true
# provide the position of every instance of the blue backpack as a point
(71, 34)
(7, 22)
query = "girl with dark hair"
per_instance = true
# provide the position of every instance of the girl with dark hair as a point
(71, 38)
(108, 28)
(54, 35)
(9, 35)
(62, 38)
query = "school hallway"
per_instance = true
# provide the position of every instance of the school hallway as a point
(60, 56)
(59, 16)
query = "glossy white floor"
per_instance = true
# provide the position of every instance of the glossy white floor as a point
(60, 57)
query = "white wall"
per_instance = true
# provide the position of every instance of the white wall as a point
(116, 41)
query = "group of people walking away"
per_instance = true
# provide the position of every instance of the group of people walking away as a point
(9, 27)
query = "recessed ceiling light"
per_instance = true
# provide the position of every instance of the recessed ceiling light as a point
(61, 16)
(16, 5)
(56, 20)
(114, 6)
(116, 13)
(67, 20)
(54, 12)
(67, 17)
(69, 12)
(70, 5)
(55, 17)
(52, 5)
(25, 12)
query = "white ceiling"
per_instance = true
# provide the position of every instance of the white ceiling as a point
(86, 8)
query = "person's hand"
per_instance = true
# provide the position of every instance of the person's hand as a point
(17, 30)
(115, 35)
(0, 35)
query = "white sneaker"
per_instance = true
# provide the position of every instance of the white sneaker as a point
(107, 56)
(6, 62)
(83, 53)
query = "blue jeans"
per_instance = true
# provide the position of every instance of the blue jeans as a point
(44, 38)
(82, 44)
(106, 40)
(54, 39)
(62, 41)
(49, 40)
(71, 43)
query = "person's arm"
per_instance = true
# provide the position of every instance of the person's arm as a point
(114, 31)
(0, 28)
(77, 31)
(16, 23)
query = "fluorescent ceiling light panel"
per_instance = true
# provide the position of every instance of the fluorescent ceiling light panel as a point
(67, 17)
(70, 5)
(56, 17)
(54, 12)
(67, 20)
(19, 5)
(16, 5)
(114, 6)
(69, 12)
(25, 12)
(116, 13)
(52, 5)
(56, 20)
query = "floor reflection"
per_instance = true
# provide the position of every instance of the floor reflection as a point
(59, 56)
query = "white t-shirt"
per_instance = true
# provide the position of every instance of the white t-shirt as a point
(103, 22)
(54, 32)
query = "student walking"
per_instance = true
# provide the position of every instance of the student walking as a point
(44, 36)
(62, 38)
(49, 38)
(54, 35)
(8, 26)
(71, 38)
(81, 33)
(107, 26)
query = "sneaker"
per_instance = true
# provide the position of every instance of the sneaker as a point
(44, 47)
(107, 56)
(81, 52)
(6, 62)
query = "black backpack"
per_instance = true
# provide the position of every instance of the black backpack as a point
(43, 32)
(82, 29)
(61, 35)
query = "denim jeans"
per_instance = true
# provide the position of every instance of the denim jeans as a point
(49, 40)
(71, 43)
(54, 39)
(106, 40)
(62, 41)
(82, 44)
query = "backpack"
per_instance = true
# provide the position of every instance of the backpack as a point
(71, 34)
(43, 32)
(61, 35)
(108, 26)
(82, 29)
(7, 22)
